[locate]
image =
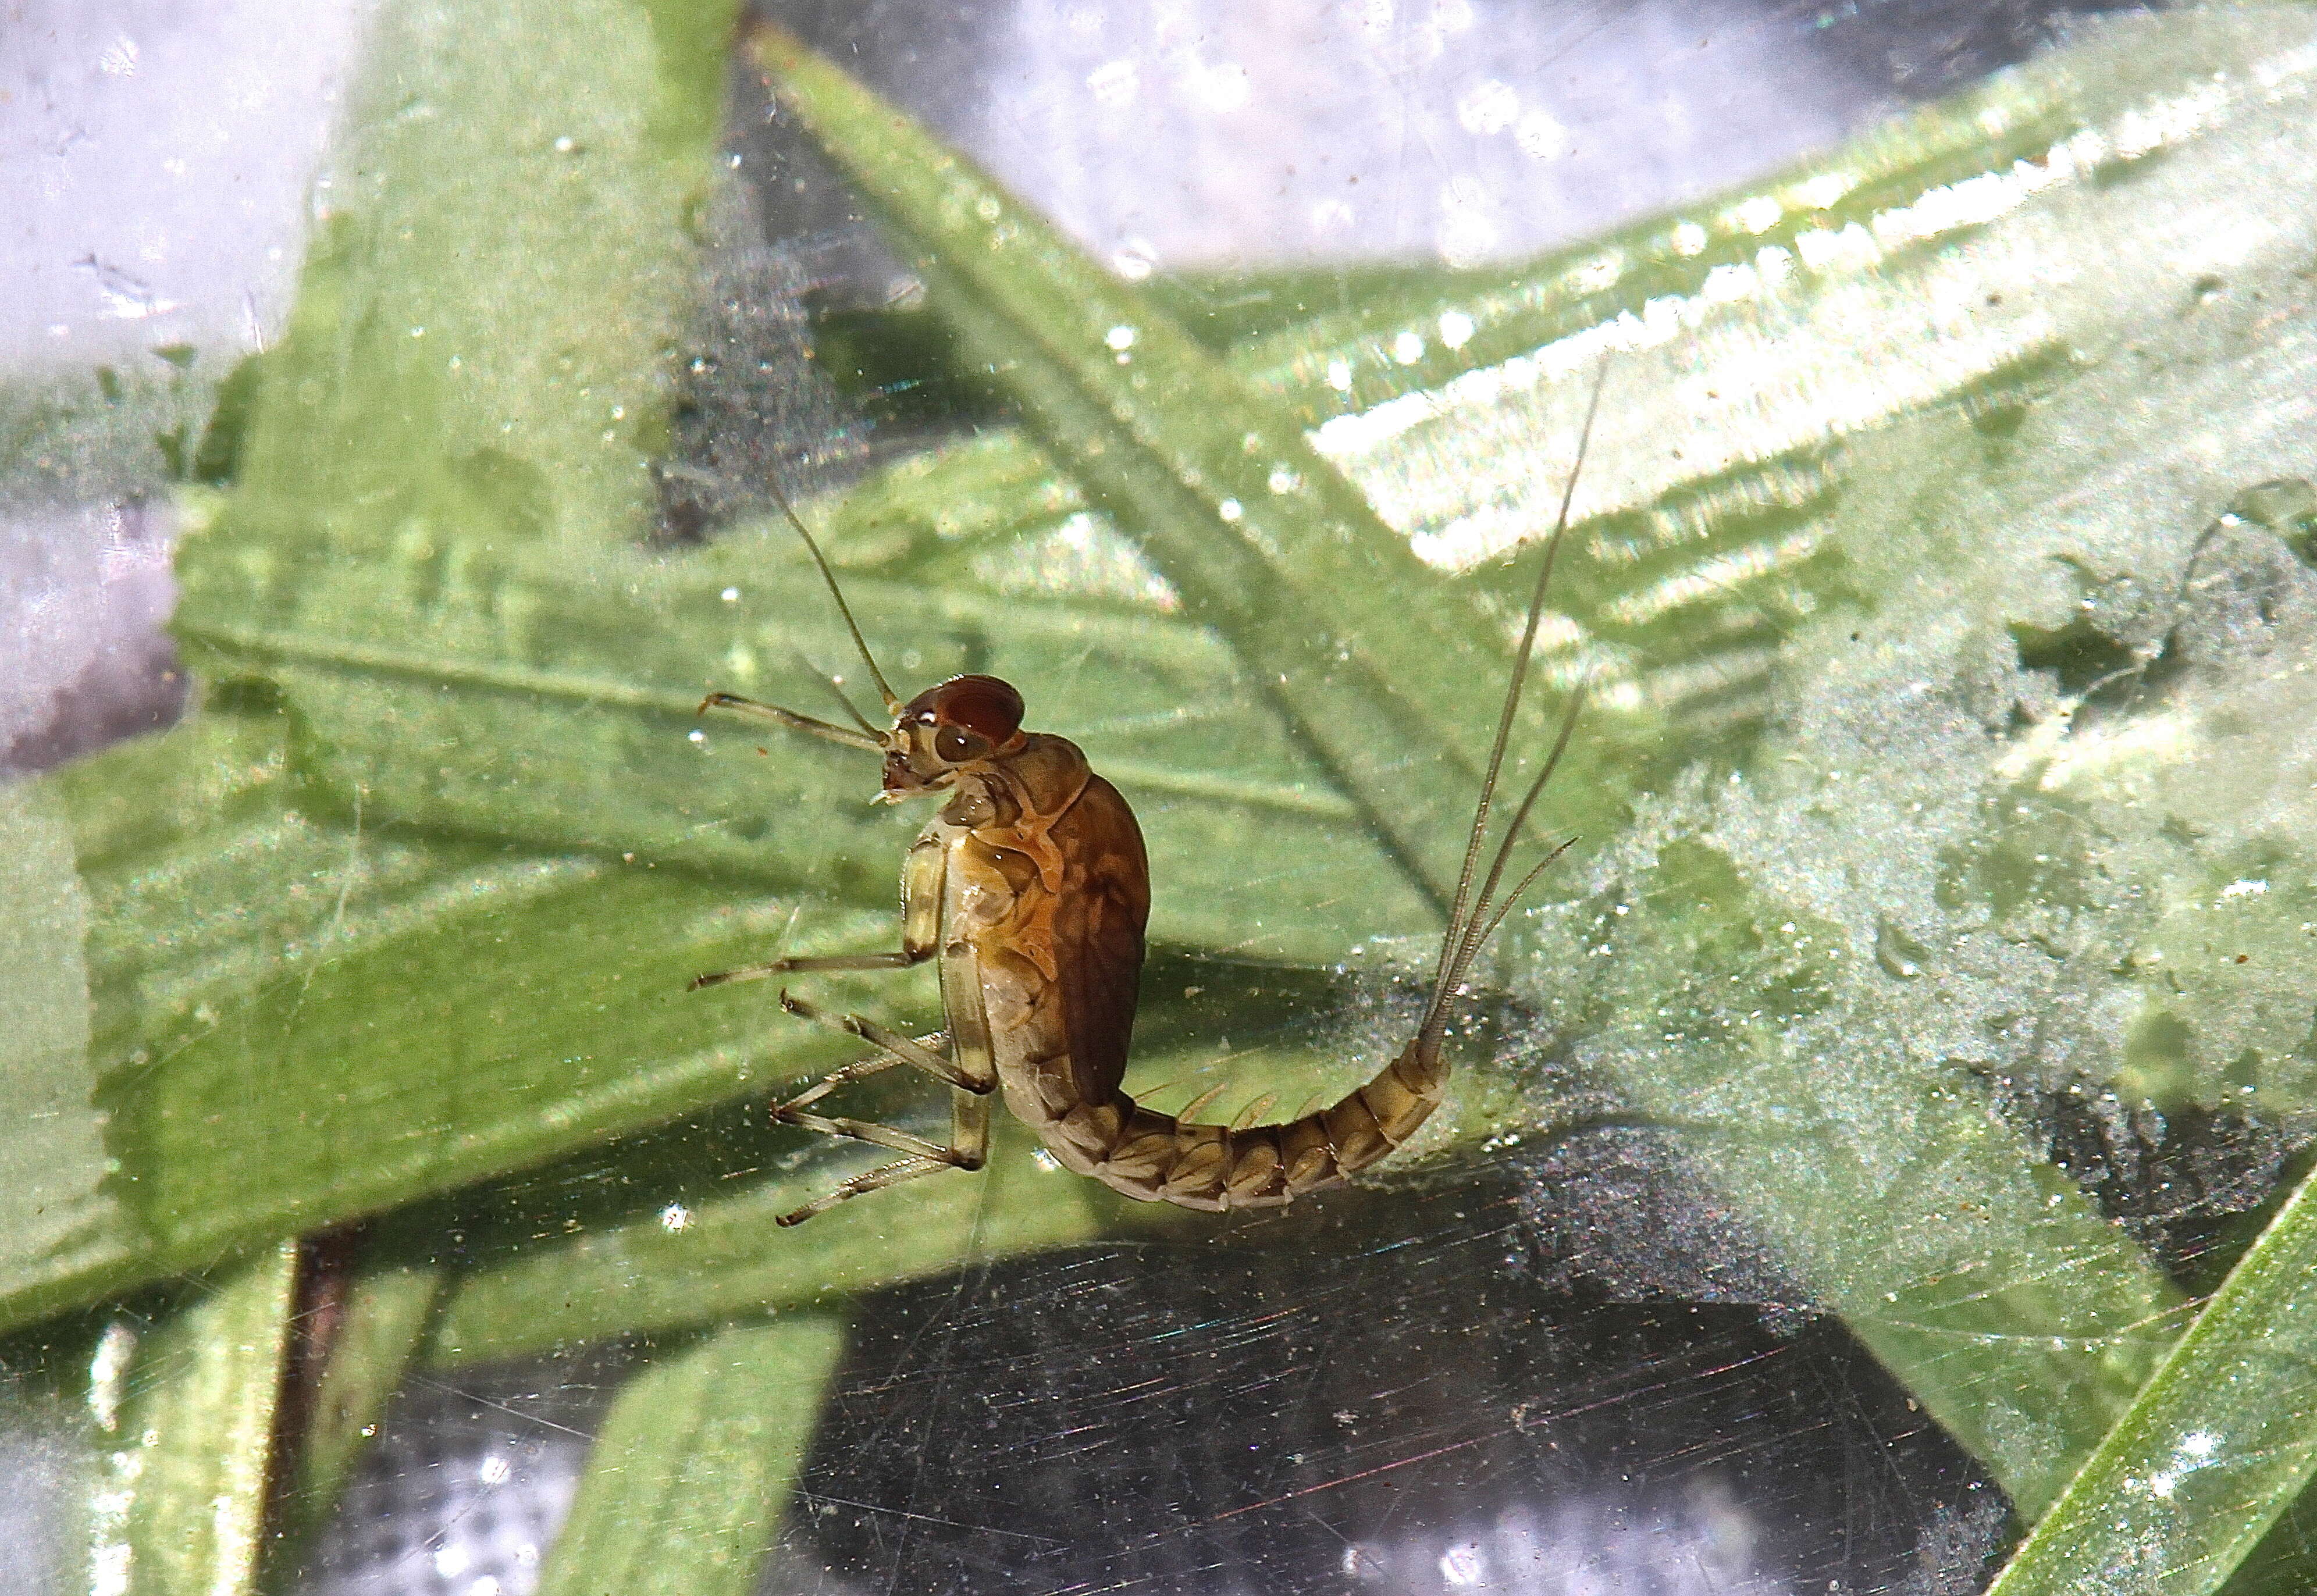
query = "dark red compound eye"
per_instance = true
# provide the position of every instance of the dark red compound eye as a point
(981, 704)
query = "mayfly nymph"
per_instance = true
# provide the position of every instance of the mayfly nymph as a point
(1029, 890)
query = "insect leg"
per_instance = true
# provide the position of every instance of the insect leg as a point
(899, 960)
(875, 1179)
(903, 1050)
(969, 1126)
(968, 1147)
(921, 883)
(967, 1067)
(869, 742)
(884, 1136)
(789, 967)
(859, 1069)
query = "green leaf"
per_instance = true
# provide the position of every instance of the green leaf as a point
(384, 1321)
(552, 698)
(502, 256)
(55, 1214)
(691, 1264)
(191, 1414)
(375, 947)
(2216, 1448)
(693, 1465)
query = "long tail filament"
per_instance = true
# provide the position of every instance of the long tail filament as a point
(1474, 916)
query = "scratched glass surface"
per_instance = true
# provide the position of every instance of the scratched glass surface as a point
(1838, 1138)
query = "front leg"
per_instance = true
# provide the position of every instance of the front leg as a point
(900, 961)
(968, 1149)
(921, 900)
(892, 1049)
(963, 1062)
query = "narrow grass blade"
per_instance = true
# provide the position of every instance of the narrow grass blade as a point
(56, 1217)
(690, 1474)
(382, 1326)
(188, 1433)
(503, 250)
(553, 702)
(2218, 1444)
(447, 1012)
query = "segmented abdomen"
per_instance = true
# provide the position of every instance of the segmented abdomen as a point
(1155, 1157)
(1053, 976)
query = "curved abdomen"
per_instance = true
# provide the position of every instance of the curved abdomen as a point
(1042, 922)
(1155, 1157)
(1093, 1128)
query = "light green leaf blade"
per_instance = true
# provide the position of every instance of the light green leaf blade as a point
(56, 1217)
(502, 256)
(2216, 1448)
(553, 700)
(693, 1465)
(445, 1011)
(380, 1327)
(189, 1423)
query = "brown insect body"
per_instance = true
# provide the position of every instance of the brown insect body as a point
(1045, 893)
(1031, 888)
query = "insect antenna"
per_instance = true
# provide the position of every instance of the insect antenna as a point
(892, 704)
(1469, 913)
(837, 685)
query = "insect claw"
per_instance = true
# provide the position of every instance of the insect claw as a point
(755, 972)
